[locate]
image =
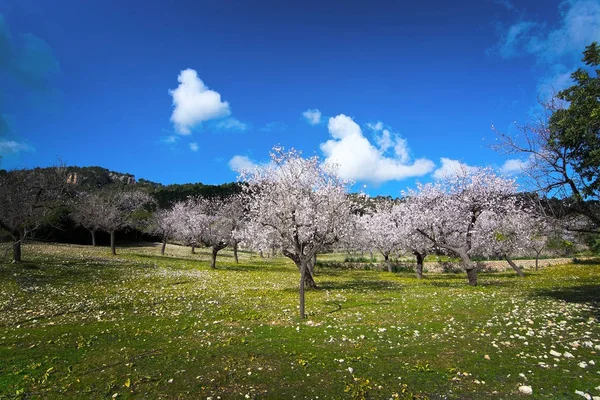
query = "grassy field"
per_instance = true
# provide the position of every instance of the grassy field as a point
(78, 323)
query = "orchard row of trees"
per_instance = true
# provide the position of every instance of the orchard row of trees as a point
(301, 207)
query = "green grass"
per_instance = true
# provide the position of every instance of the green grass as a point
(78, 323)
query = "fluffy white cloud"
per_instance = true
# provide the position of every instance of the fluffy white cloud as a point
(357, 159)
(195, 103)
(513, 166)
(242, 163)
(451, 168)
(232, 124)
(194, 146)
(12, 147)
(312, 116)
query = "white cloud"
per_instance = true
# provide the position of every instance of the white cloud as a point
(242, 163)
(12, 147)
(357, 159)
(557, 49)
(452, 168)
(194, 146)
(312, 116)
(232, 124)
(513, 166)
(578, 27)
(195, 103)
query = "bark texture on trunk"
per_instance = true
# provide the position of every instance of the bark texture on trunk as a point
(472, 275)
(163, 247)
(420, 260)
(215, 250)
(514, 266)
(388, 263)
(469, 266)
(213, 258)
(113, 248)
(309, 280)
(235, 252)
(17, 250)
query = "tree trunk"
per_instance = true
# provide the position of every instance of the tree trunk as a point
(514, 266)
(260, 253)
(371, 254)
(235, 254)
(472, 275)
(163, 247)
(388, 263)
(113, 248)
(420, 260)
(17, 248)
(537, 258)
(193, 248)
(309, 280)
(468, 265)
(93, 238)
(213, 259)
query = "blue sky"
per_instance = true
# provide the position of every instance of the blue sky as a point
(391, 91)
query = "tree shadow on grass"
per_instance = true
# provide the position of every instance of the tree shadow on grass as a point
(583, 294)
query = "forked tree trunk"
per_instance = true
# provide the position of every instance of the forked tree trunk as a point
(93, 237)
(514, 266)
(235, 252)
(215, 250)
(113, 248)
(420, 260)
(17, 248)
(388, 263)
(163, 247)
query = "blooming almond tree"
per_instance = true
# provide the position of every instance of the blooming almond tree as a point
(27, 197)
(504, 236)
(163, 223)
(450, 211)
(411, 241)
(87, 212)
(209, 221)
(303, 202)
(383, 229)
(217, 219)
(117, 209)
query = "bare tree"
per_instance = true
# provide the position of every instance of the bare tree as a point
(550, 167)
(27, 197)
